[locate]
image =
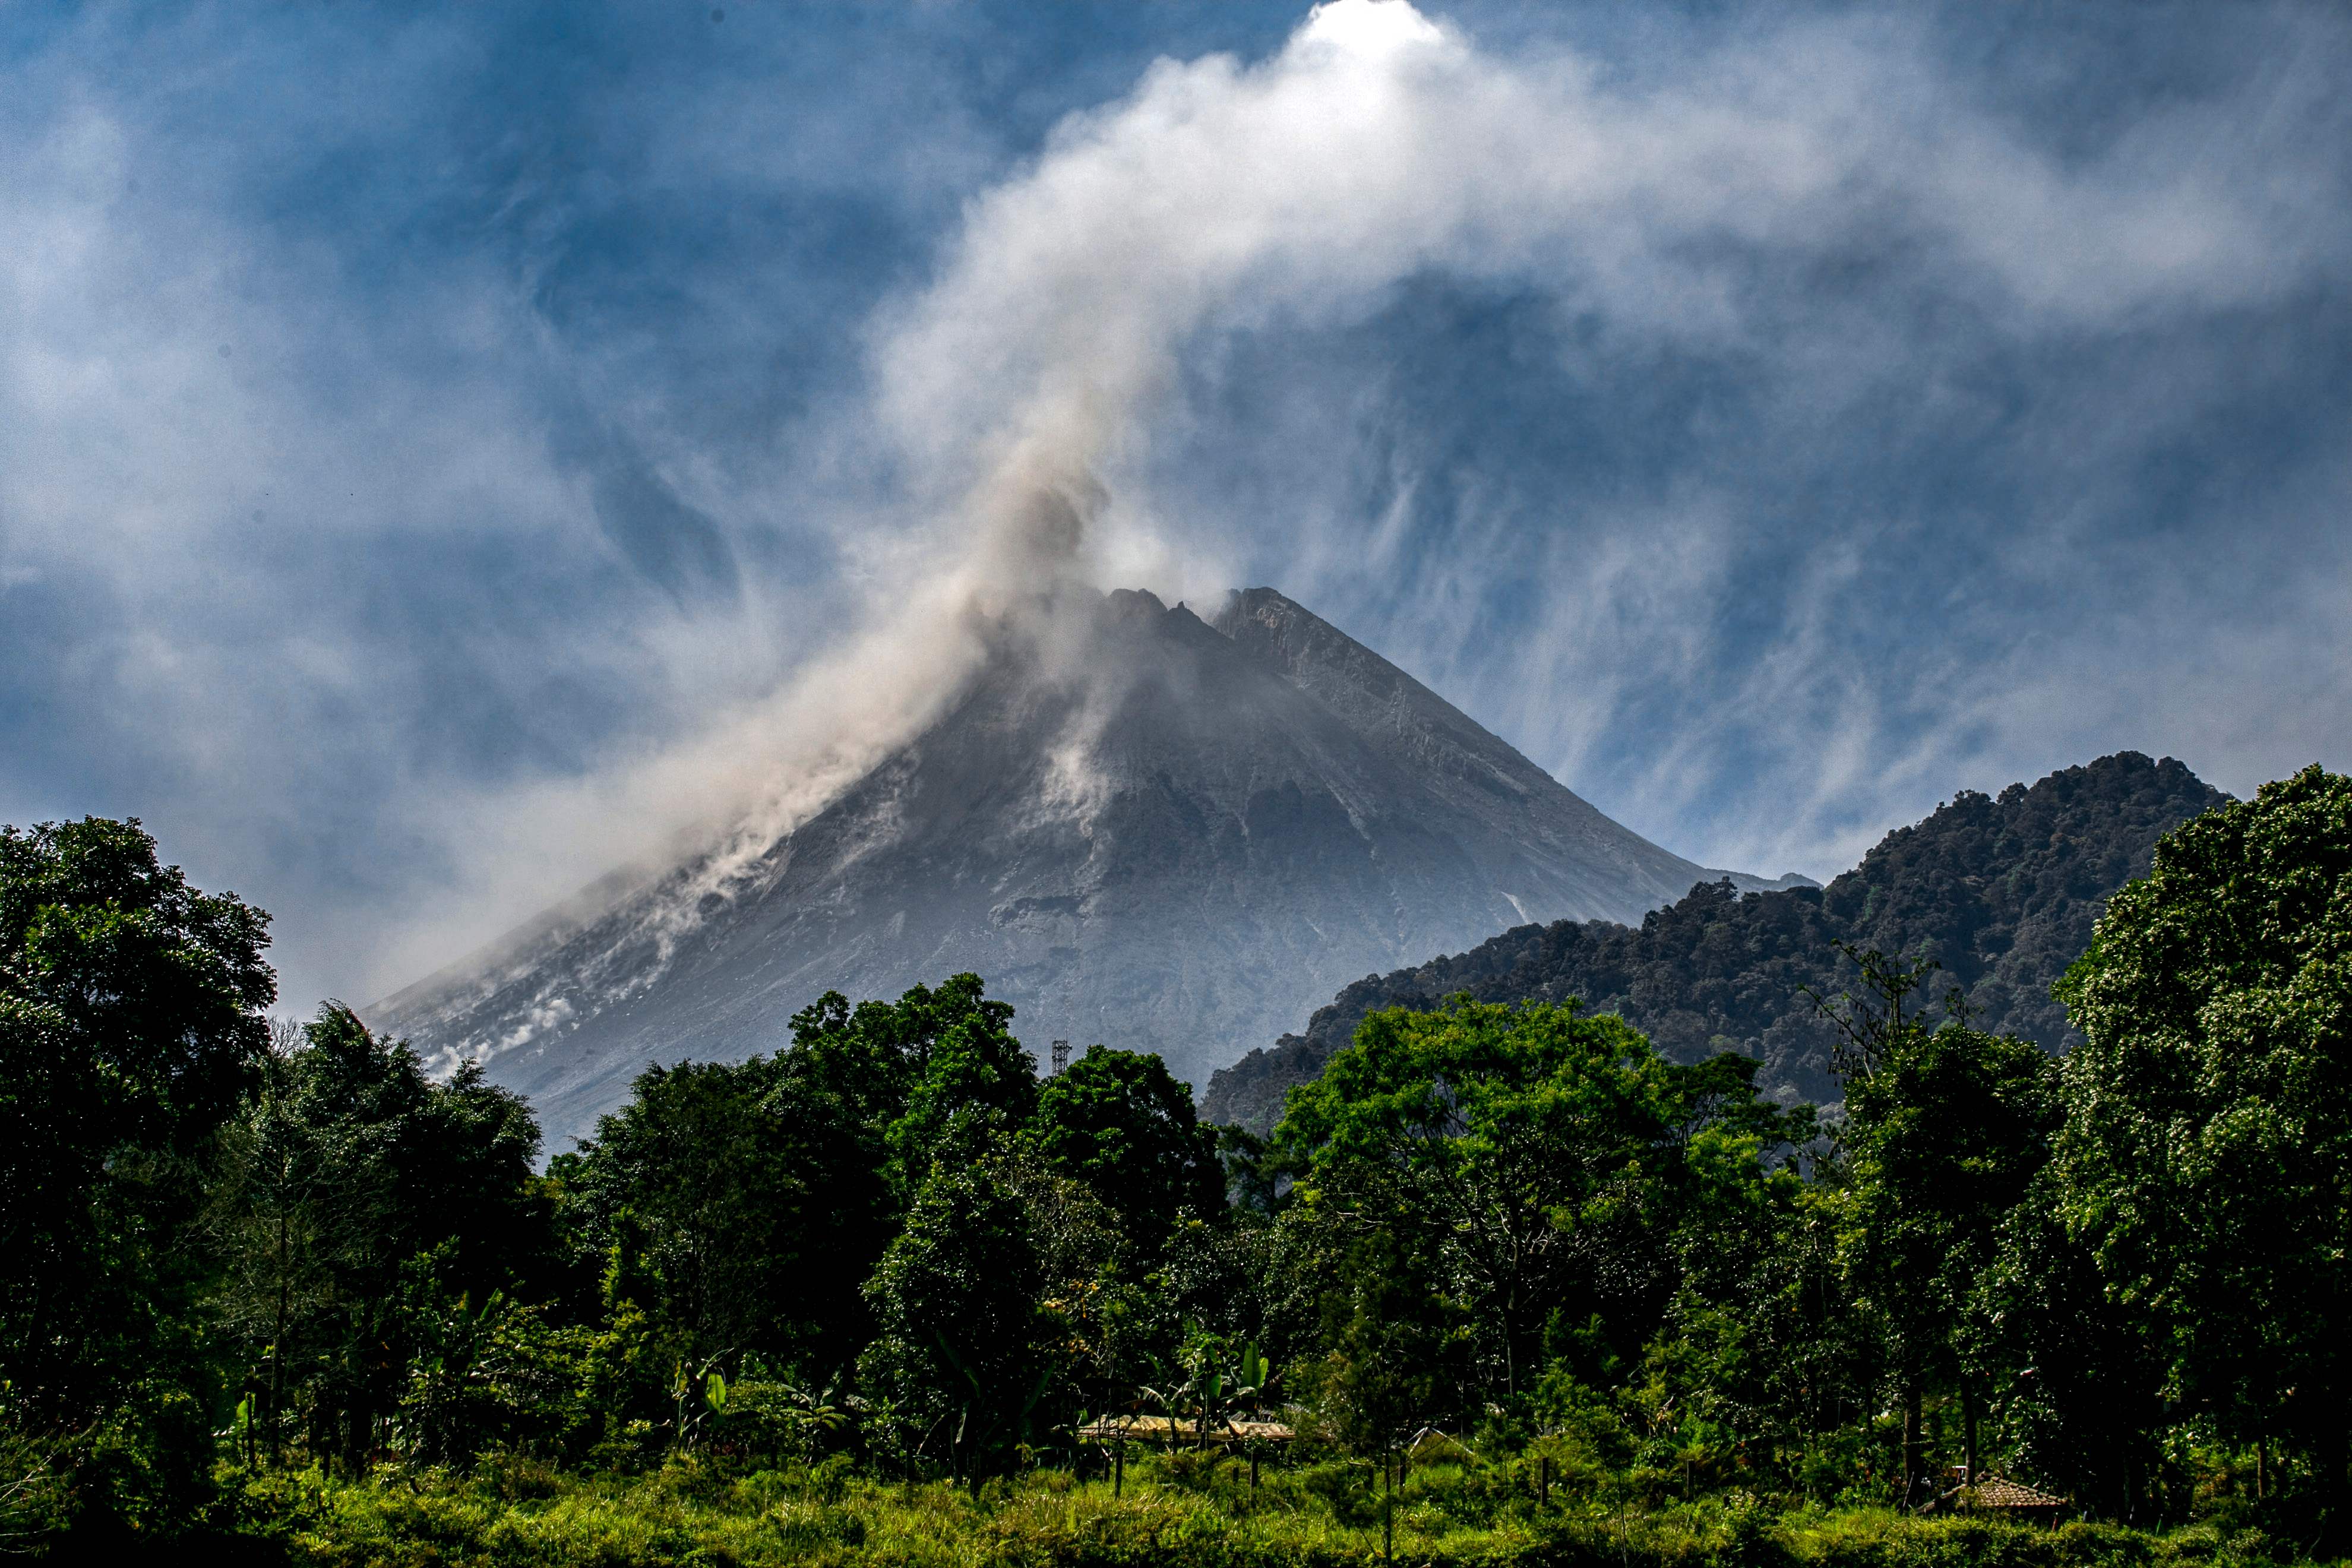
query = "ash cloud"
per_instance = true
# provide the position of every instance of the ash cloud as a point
(1815, 215)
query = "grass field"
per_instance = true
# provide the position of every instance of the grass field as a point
(514, 1511)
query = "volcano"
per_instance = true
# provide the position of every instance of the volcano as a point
(1143, 828)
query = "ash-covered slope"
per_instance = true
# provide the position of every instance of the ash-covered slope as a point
(1142, 828)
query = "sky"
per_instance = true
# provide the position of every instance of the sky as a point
(448, 451)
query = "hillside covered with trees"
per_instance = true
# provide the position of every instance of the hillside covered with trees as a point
(2001, 891)
(1507, 1284)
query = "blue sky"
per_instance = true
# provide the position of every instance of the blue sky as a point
(432, 438)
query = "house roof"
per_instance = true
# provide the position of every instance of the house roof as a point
(1996, 1492)
(1157, 1428)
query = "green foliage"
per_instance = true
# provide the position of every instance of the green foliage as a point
(1521, 1162)
(129, 1023)
(2074, 1374)
(1947, 1129)
(35, 1502)
(496, 1375)
(972, 1086)
(1764, 1357)
(1119, 1122)
(1472, 1514)
(846, 1085)
(154, 989)
(766, 1417)
(762, 1194)
(353, 1198)
(1523, 1287)
(2206, 1158)
(129, 1026)
(965, 1350)
(2001, 891)
(702, 1165)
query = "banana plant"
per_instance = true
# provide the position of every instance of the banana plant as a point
(704, 1381)
(1168, 1394)
(1253, 1377)
(1221, 1398)
(816, 1416)
(1000, 1429)
(242, 1425)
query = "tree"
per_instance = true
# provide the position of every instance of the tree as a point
(965, 1352)
(346, 1166)
(272, 1216)
(2207, 1156)
(843, 1086)
(1946, 1128)
(764, 1192)
(1945, 1139)
(130, 1023)
(1077, 1240)
(700, 1160)
(2078, 1377)
(1391, 1335)
(1541, 1153)
(1763, 1354)
(972, 1087)
(1118, 1122)
(1254, 1186)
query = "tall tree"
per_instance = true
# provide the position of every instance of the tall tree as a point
(973, 1085)
(700, 1164)
(1946, 1128)
(2078, 1377)
(129, 1023)
(1543, 1153)
(966, 1350)
(762, 1193)
(2207, 1156)
(1119, 1122)
(844, 1085)
(348, 1165)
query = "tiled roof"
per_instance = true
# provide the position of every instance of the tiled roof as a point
(1154, 1428)
(1993, 1492)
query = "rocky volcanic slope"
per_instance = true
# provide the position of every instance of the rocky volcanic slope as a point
(1142, 828)
(2002, 892)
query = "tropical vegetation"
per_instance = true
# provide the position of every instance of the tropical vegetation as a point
(1505, 1282)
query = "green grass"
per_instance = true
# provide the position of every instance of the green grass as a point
(514, 1512)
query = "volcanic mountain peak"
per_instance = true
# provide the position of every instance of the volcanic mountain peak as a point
(1141, 827)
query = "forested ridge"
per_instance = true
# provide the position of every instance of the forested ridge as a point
(2001, 891)
(1507, 1283)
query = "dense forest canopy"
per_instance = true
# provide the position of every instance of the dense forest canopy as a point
(1534, 1273)
(2000, 891)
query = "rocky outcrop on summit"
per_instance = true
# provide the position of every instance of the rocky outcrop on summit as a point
(2003, 892)
(1141, 827)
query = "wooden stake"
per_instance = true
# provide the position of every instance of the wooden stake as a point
(1387, 1512)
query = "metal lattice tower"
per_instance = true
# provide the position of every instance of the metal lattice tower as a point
(1060, 1056)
